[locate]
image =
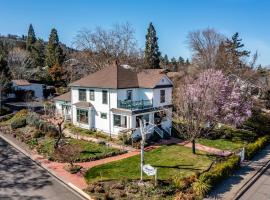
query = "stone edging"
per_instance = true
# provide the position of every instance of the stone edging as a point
(61, 180)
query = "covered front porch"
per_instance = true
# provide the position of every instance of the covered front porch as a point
(158, 121)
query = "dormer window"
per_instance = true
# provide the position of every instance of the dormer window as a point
(129, 95)
(82, 94)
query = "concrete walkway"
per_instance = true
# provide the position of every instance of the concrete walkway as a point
(231, 187)
(211, 150)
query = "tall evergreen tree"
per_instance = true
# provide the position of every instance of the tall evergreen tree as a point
(37, 53)
(151, 52)
(181, 61)
(187, 62)
(31, 38)
(234, 49)
(54, 53)
(174, 64)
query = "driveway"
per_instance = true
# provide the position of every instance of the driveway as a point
(22, 179)
(260, 190)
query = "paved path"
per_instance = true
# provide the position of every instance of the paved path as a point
(229, 187)
(260, 190)
(22, 179)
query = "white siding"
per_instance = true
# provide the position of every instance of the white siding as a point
(106, 125)
(168, 97)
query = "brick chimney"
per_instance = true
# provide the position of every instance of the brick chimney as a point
(116, 62)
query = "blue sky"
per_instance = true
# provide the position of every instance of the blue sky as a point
(173, 19)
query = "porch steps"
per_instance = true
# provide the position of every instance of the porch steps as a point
(159, 131)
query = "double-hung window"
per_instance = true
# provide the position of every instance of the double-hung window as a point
(82, 116)
(120, 121)
(92, 95)
(104, 96)
(162, 96)
(82, 94)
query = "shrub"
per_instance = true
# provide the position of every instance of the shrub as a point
(227, 132)
(125, 138)
(33, 119)
(259, 122)
(18, 123)
(215, 175)
(4, 110)
(200, 187)
(253, 148)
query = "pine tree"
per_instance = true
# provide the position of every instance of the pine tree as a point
(31, 38)
(151, 52)
(54, 53)
(37, 53)
(234, 50)
(174, 64)
(166, 59)
(187, 62)
(181, 61)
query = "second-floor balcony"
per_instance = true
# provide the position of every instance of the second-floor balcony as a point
(134, 105)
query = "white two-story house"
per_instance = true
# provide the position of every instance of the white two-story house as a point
(116, 97)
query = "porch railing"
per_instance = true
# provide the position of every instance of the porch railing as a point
(135, 105)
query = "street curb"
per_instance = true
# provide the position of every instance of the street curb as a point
(69, 185)
(251, 181)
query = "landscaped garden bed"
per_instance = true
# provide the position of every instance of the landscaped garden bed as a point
(89, 150)
(40, 136)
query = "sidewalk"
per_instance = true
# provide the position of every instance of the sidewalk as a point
(231, 187)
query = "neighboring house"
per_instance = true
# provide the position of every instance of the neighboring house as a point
(63, 105)
(115, 98)
(36, 88)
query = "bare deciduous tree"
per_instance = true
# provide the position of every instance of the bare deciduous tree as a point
(204, 45)
(19, 62)
(99, 47)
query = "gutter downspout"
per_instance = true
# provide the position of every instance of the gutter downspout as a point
(110, 131)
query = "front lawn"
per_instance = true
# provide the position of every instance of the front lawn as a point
(171, 161)
(223, 144)
(90, 150)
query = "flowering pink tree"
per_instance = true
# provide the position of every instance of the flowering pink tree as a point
(209, 99)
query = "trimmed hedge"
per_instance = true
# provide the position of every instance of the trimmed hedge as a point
(220, 171)
(223, 169)
(255, 147)
(18, 123)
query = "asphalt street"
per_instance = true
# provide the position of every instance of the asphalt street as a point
(23, 179)
(260, 190)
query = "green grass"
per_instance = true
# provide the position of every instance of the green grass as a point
(89, 149)
(170, 160)
(222, 144)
